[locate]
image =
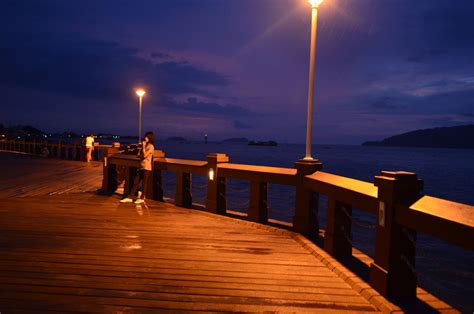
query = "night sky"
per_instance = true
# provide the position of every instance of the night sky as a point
(237, 68)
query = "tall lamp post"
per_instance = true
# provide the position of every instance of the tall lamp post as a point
(312, 61)
(305, 219)
(140, 93)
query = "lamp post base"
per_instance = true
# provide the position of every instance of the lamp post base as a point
(305, 220)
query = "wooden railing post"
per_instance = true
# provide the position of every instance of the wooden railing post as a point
(109, 182)
(77, 151)
(60, 150)
(95, 152)
(130, 173)
(216, 200)
(157, 177)
(157, 184)
(258, 209)
(67, 151)
(338, 235)
(183, 195)
(305, 220)
(392, 273)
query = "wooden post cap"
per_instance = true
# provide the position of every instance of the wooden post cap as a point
(217, 157)
(305, 167)
(398, 186)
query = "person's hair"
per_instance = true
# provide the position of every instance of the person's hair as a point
(151, 137)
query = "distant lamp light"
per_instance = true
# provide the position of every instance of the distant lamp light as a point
(315, 3)
(211, 174)
(140, 92)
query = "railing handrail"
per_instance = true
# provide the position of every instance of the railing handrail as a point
(58, 149)
(276, 175)
(357, 193)
(447, 220)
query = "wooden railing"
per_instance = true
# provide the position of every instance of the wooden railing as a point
(62, 150)
(394, 198)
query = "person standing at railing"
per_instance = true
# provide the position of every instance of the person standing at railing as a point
(89, 147)
(146, 159)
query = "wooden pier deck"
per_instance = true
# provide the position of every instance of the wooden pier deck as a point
(65, 248)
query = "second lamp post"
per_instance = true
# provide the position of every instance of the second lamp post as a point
(140, 93)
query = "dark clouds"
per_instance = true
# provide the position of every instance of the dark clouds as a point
(81, 67)
(201, 107)
(160, 55)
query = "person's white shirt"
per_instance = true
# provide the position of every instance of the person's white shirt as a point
(89, 141)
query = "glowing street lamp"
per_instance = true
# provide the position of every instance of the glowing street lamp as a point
(312, 61)
(140, 92)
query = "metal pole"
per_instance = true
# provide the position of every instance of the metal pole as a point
(312, 59)
(140, 120)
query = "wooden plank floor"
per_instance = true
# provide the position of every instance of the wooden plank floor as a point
(75, 251)
(22, 176)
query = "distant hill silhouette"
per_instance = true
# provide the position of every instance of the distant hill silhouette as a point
(21, 131)
(446, 137)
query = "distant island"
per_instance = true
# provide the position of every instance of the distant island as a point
(264, 143)
(444, 137)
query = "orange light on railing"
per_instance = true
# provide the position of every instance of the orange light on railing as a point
(211, 174)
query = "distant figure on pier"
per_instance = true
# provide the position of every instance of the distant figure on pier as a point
(146, 156)
(89, 147)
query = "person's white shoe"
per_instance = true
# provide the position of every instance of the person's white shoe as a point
(126, 200)
(139, 201)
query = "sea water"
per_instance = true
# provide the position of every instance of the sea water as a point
(443, 269)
